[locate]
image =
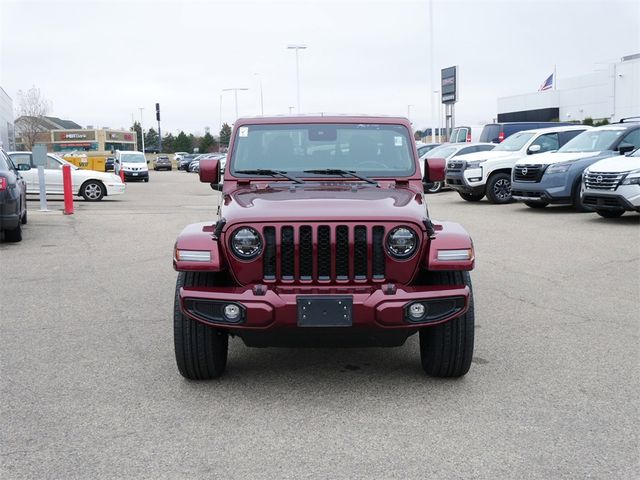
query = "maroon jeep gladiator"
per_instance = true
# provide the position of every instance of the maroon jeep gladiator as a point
(323, 239)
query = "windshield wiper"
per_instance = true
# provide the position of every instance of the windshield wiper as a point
(337, 171)
(273, 173)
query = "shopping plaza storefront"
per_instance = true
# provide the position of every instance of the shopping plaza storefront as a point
(88, 140)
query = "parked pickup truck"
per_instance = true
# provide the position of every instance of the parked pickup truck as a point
(323, 238)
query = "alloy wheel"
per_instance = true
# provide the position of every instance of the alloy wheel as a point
(93, 191)
(502, 189)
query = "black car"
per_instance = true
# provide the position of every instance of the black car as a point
(497, 132)
(186, 161)
(13, 200)
(109, 164)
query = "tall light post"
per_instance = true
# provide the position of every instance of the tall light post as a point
(296, 48)
(291, 109)
(235, 92)
(261, 96)
(220, 112)
(431, 83)
(439, 100)
(409, 112)
(141, 128)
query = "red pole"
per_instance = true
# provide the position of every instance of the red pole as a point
(122, 174)
(68, 193)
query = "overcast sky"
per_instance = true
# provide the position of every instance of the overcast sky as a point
(98, 61)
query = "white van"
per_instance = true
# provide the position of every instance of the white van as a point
(466, 134)
(133, 164)
(489, 173)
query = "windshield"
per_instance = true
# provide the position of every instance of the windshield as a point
(592, 141)
(63, 161)
(514, 143)
(133, 158)
(370, 149)
(443, 151)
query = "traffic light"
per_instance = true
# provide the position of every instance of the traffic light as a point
(157, 111)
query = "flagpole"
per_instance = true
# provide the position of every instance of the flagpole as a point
(555, 77)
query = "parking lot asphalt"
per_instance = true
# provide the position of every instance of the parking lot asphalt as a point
(89, 386)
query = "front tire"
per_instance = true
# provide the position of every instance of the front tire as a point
(434, 187)
(201, 350)
(610, 213)
(24, 218)
(471, 197)
(92, 191)
(577, 200)
(499, 188)
(446, 350)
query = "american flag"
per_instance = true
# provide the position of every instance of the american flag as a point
(548, 84)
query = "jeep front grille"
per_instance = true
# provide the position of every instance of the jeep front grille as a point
(323, 253)
(602, 181)
(528, 173)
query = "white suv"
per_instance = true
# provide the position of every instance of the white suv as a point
(489, 173)
(612, 186)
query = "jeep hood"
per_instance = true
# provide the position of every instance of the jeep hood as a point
(345, 202)
(616, 164)
(555, 157)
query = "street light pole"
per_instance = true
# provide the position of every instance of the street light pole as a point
(141, 129)
(296, 48)
(431, 83)
(235, 91)
(439, 100)
(220, 113)
(409, 112)
(261, 96)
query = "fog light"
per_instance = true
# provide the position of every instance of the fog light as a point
(476, 179)
(416, 311)
(231, 311)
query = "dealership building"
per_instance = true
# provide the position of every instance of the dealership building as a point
(7, 133)
(610, 93)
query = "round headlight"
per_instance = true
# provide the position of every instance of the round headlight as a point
(401, 242)
(246, 243)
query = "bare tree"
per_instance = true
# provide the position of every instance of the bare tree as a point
(32, 106)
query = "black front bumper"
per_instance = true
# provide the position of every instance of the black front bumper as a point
(607, 202)
(136, 175)
(455, 180)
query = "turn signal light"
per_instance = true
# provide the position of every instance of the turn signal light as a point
(455, 255)
(193, 255)
(3, 183)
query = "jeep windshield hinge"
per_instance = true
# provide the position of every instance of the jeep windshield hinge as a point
(218, 230)
(431, 231)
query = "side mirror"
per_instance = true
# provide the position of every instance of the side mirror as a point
(534, 149)
(209, 171)
(23, 167)
(624, 149)
(435, 170)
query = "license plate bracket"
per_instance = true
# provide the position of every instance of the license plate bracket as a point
(324, 310)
